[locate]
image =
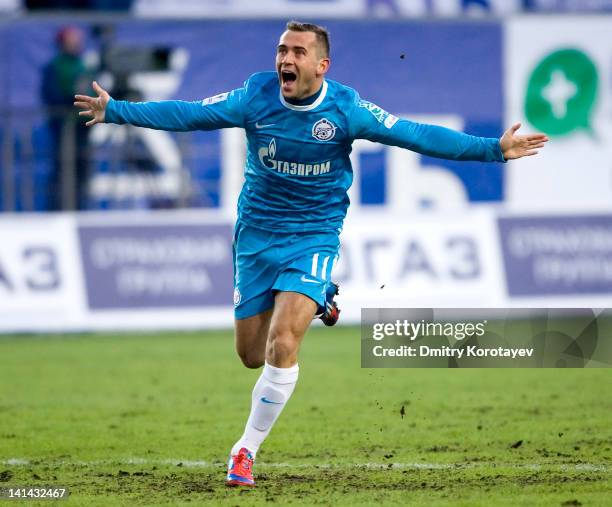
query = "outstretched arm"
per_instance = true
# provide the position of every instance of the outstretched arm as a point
(369, 121)
(224, 110)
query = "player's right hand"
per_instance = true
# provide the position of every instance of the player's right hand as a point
(94, 107)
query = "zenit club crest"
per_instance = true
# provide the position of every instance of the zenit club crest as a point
(324, 130)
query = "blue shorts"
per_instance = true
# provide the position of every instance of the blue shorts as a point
(266, 262)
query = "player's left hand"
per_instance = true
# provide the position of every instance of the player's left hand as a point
(517, 146)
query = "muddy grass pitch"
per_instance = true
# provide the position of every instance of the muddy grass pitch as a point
(148, 420)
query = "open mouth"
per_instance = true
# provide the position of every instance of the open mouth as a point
(288, 77)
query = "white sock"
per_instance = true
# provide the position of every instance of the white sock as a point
(272, 390)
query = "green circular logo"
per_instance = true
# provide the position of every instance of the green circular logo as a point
(561, 93)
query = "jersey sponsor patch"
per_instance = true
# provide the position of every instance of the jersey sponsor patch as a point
(388, 120)
(267, 154)
(215, 98)
(324, 130)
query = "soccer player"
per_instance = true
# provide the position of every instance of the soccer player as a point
(299, 128)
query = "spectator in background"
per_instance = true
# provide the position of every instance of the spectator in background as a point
(64, 76)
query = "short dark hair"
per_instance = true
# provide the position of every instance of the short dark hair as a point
(320, 31)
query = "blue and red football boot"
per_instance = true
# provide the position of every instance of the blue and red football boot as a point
(331, 313)
(240, 469)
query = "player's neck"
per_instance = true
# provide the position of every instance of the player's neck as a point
(306, 101)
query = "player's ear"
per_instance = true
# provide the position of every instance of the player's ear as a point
(323, 66)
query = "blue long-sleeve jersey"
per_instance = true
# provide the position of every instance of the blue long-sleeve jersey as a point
(298, 169)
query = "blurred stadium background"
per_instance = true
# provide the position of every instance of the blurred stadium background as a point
(119, 230)
(103, 228)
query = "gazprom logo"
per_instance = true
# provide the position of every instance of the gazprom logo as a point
(269, 153)
(272, 148)
(267, 158)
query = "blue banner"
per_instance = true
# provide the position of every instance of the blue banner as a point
(408, 68)
(557, 256)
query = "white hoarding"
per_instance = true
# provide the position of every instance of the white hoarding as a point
(388, 260)
(559, 81)
(173, 270)
(40, 278)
